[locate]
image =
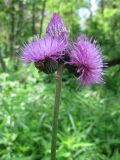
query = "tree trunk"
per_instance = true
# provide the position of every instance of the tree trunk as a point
(42, 16)
(20, 20)
(113, 62)
(3, 65)
(19, 24)
(12, 28)
(102, 7)
(33, 18)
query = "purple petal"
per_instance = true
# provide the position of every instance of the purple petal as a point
(89, 61)
(56, 27)
(40, 49)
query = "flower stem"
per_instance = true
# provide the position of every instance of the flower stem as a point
(56, 111)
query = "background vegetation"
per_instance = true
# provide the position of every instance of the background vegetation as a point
(89, 122)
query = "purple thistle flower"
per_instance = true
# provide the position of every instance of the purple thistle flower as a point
(86, 56)
(56, 28)
(41, 49)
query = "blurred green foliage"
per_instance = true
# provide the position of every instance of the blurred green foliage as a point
(89, 116)
(88, 124)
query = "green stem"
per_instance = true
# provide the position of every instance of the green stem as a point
(56, 111)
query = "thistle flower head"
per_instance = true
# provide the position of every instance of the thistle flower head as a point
(83, 57)
(86, 56)
(41, 49)
(56, 27)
